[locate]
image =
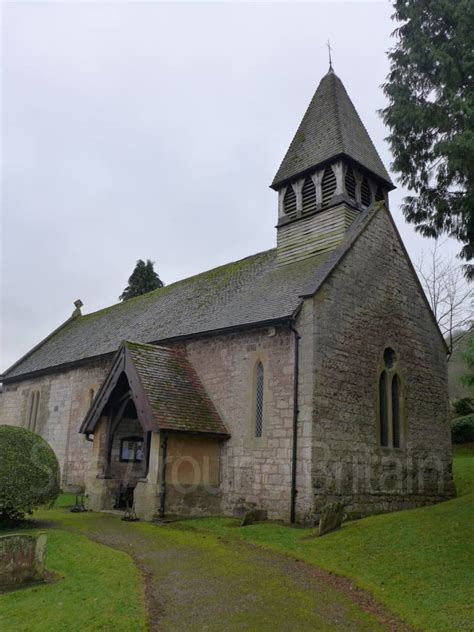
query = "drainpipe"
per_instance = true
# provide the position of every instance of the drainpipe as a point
(294, 491)
(164, 450)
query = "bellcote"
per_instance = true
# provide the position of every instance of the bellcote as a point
(330, 173)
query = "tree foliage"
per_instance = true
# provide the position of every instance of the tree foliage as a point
(142, 280)
(468, 379)
(29, 472)
(431, 117)
(462, 429)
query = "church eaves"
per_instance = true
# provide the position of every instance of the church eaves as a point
(250, 292)
(168, 393)
(330, 128)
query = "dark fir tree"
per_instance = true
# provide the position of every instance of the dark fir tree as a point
(431, 116)
(143, 279)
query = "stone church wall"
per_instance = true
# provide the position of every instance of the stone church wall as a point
(370, 302)
(252, 470)
(64, 398)
(257, 470)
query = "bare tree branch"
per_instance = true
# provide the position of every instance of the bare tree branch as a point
(449, 295)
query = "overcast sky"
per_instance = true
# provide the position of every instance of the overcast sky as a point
(153, 131)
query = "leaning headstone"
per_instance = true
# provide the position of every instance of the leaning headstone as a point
(253, 515)
(331, 517)
(22, 558)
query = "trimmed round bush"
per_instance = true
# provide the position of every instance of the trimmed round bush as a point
(29, 472)
(462, 429)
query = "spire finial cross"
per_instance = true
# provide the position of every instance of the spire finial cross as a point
(328, 44)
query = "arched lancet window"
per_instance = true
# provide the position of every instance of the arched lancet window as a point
(308, 195)
(32, 410)
(259, 390)
(350, 184)
(383, 410)
(396, 411)
(365, 195)
(390, 403)
(289, 202)
(328, 186)
(91, 396)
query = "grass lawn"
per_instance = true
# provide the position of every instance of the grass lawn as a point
(194, 582)
(418, 563)
(101, 589)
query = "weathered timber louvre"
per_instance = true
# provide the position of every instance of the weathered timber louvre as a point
(309, 196)
(314, 234)
(379, 196)
(328, 186)
(350, 184)
(290, 202)
(365, 196)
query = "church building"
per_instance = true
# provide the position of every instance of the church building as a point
(310, 373)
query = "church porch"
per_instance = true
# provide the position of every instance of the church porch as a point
(156, 438)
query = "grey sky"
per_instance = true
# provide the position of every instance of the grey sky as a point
(153, 131)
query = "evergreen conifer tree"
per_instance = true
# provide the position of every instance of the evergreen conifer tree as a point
(430, 89)
(143, 279)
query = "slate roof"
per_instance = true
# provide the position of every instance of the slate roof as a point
(174, 390)
(251, 291)
(330, 127)
(167, 389)
(248, 291)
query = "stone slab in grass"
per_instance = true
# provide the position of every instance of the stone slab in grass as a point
(253, 515)
(331, 517)
(22, 558)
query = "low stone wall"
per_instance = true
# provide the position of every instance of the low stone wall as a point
(22, 558)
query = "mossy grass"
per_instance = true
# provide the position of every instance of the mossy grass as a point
(193, 582)
(418, 563)
(95, 587)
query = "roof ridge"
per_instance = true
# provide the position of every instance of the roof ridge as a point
(331, 127)
(360, 121)
(163, 289)
(148, 345)
(249, 293)
(335, 79)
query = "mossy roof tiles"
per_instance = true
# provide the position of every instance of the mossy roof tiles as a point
(330, 127)
(237, 294)
(251, 291)
(176, 396)
(166, 390)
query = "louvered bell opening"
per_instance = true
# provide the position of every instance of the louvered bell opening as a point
(365, 196)
(328, 186)
(350, 184)
(309, 196)
(379, 196)
(290, 202)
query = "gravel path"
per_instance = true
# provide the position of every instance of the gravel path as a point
(196, 581)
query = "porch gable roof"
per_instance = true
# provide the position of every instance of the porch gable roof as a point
(165, 388)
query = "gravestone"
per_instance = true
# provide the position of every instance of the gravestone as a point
(22, 558)
(253, 515)
(331, 517)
